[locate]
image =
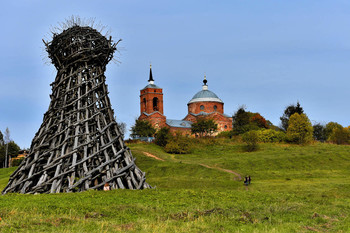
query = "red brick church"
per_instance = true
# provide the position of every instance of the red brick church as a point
(205, 104)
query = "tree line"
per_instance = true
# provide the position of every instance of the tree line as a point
(252, 128)
(8, 149)
(295, 127)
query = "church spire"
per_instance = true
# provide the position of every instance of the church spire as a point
(205, 86)
(150, 80)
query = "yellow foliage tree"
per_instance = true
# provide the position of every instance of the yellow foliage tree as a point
(299, 129)
(340, 136)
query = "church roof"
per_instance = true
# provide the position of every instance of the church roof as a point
(205, 95)
(178, 123)
(151, 86)
(207, 114)
(150, 114)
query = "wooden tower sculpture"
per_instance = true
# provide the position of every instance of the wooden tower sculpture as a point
(79, 145)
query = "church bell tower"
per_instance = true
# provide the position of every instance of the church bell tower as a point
(151, 103)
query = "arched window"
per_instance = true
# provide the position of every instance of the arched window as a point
(215, 107)
(155, 104)
(201, 107)
(144, 103)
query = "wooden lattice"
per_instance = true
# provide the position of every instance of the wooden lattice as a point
(79, 145)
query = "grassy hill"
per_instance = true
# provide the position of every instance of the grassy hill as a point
(294, 189)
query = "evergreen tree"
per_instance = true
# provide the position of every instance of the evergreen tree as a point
(1, 139)
(240, 121)
(13, 149)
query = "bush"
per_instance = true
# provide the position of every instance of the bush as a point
(299, 129)
(225, 134)
(16, 162)
(340, 136)
(270, 135)
(163, 136)
(251, 139)
(178, 145)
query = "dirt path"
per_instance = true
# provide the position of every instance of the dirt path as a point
(152, 156)
(238, 176)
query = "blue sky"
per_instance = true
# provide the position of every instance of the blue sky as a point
(261, 54)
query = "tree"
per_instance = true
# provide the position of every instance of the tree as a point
(142, 128)
(272, 126)
(16, 162)
(204, 127)
(259, 121)
(122, 128)
(163, 136)
(319, 132)
(340, 136)
(288, 112)
(6, 141)
(330, 128)
(244, 121)
(12, 151)
(299, 129)
(2, 155)
(7, 136)
(251, 139)
(240, 121)
(1, 139)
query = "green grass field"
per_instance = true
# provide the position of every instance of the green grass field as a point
(294, 189)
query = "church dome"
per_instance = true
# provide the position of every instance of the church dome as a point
(205, 95)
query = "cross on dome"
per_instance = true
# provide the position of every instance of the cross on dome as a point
(150, 80)
(205, 86)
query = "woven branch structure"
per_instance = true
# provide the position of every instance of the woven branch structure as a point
(79, 145)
